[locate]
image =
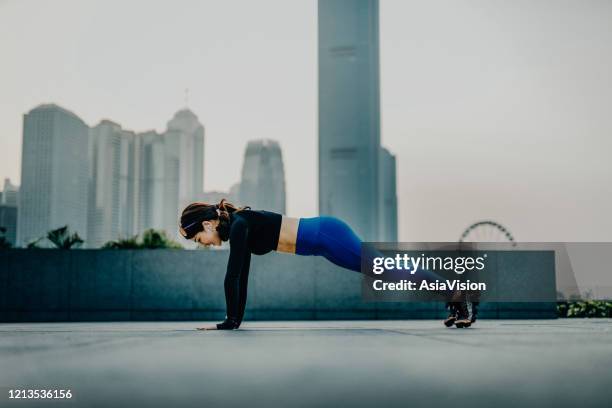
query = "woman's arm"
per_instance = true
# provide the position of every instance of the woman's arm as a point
(244, 283)
(237, 260)
(242, 298)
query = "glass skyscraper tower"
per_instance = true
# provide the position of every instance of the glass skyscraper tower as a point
(349, 113)
(54, 173)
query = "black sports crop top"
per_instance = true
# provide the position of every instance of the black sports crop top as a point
(254, 232)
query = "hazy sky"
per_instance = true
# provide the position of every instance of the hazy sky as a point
(495, 109)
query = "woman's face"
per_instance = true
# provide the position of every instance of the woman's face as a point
(210, 235)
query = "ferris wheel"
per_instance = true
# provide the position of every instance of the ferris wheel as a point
(487, 231)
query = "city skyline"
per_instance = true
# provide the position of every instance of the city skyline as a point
(539, 97)
(105, 182)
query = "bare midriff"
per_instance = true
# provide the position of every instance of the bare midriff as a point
(288, 235)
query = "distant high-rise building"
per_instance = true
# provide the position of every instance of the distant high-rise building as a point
(234, 193)
(129, 184)
(110, 206)
(349, 113)
(10, 194)
(8, 211)
(151, 194)
(387, 225)
(166, 173)
(263, 177)
(214, 197)
(54, 173)
(8, 220)
(183, 166)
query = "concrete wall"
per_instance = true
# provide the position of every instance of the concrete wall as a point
(90, 285)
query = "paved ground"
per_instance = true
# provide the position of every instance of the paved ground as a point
(269, 364)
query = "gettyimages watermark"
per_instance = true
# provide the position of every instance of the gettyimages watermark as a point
(496, 272)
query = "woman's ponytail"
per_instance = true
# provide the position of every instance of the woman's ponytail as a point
(224, 209)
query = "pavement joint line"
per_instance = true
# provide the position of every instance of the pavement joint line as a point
(563, 326)
(452, 340)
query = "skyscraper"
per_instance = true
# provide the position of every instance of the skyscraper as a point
(8, 211)
(8, 221)
(183, 166)
(263, 176)
(213, 197)
(234, 193)
(349, 113)
(10, 194)
(129, 184)
(151, 170)
(166, 173)
(54, 173)
(108, 204)
(387, 224)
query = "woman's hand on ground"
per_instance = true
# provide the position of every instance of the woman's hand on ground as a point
(228, 324)
(207, 328)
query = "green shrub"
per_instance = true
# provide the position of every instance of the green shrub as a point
(62, 239)
(123, 243)
(59, 237)
(151, 239)
(34, 244)
(588, 308)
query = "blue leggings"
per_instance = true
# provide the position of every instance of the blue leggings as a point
(331, 238)
(336, 241)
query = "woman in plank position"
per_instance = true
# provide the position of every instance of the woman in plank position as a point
(259, 232)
